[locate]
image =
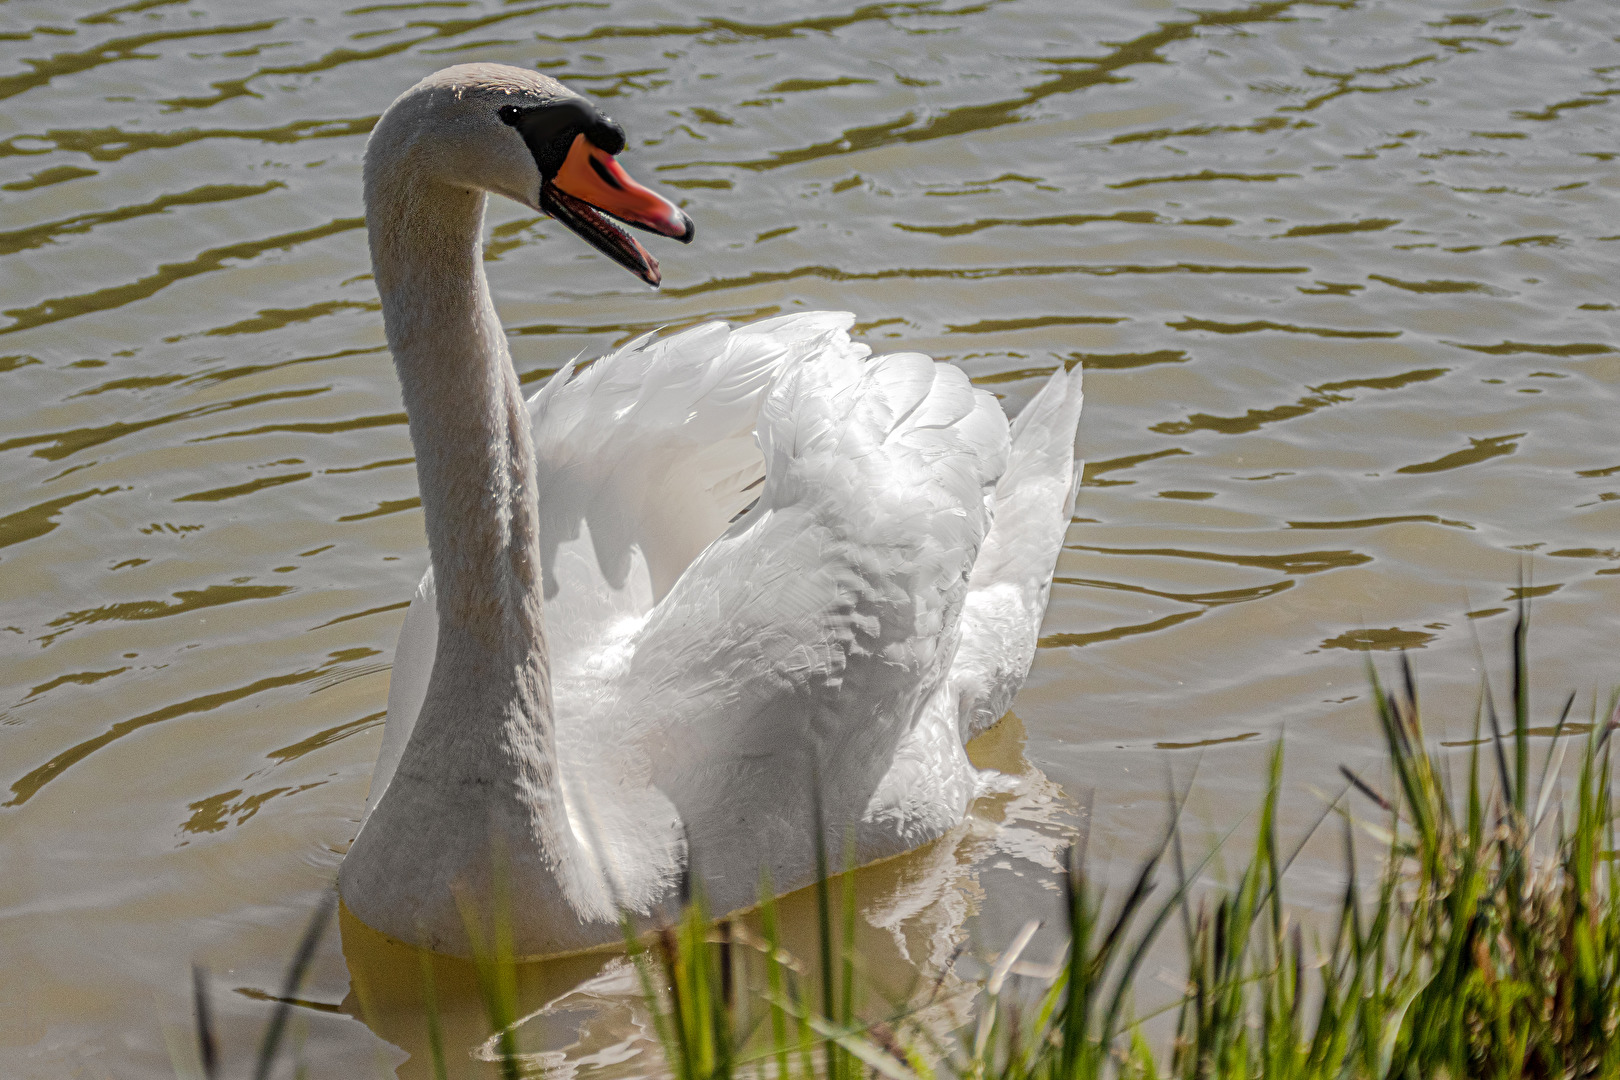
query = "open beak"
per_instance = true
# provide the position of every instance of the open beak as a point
(591, 184)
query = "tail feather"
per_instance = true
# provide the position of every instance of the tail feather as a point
(1012, 577)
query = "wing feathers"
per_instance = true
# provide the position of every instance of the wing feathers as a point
(867, 526)
(810, 635)
(651, 450)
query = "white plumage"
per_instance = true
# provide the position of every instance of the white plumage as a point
(780, 578)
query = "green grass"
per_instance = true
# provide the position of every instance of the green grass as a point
(1487, 945)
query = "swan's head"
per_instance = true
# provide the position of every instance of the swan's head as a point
(524, 135)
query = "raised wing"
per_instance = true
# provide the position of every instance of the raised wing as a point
(802, 643)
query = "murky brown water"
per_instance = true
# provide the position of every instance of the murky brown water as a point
(1341, 275)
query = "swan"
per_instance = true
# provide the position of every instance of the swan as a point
(688, 601)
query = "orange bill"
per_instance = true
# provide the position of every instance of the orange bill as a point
(590, 173)
(589, 184)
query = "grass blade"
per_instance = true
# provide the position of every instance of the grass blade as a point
(292, 982)
(207, 1043)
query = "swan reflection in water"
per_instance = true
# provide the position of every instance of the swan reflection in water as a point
(585, 1013)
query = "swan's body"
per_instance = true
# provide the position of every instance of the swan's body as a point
(773, 572)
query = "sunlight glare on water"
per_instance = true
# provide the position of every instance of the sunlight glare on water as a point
(1338, 273)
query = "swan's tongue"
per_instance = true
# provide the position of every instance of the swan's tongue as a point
(590, 184)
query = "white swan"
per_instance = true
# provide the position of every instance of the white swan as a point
(765, 560)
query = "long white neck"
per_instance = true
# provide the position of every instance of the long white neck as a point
(474, 452)
(476, 799)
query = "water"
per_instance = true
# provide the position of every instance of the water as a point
(1340, 275)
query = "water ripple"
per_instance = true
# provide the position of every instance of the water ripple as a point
(68, 307)
(112, 51)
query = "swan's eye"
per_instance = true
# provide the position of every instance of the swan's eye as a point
(509, 114)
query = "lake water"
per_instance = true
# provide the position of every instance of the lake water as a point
(1341, 275)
